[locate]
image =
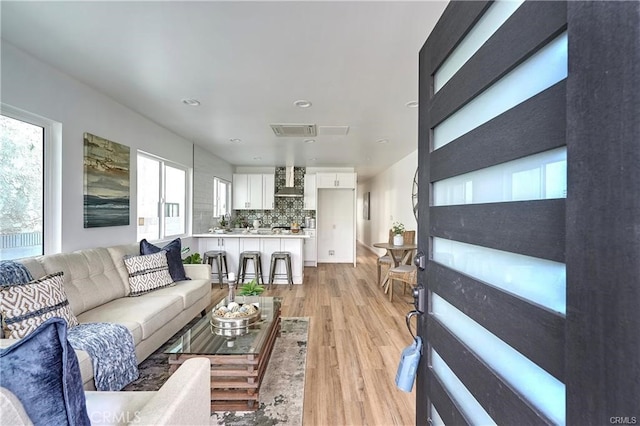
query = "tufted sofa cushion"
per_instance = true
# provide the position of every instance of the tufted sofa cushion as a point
(91, 278)
(118, 254)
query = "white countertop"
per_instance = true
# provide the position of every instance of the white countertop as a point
(267, 233)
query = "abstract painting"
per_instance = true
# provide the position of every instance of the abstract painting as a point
(366, 209)
(106, 182)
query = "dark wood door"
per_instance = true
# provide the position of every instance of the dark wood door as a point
(529, 214)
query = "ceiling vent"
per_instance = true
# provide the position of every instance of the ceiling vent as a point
(294, 130)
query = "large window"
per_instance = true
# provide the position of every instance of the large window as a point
(162, 198)
(21, 188)
(221, 197)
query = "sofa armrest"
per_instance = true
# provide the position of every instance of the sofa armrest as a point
(5, 343)
(198, 271)
(185, 399)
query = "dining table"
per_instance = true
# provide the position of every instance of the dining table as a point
(399, 255)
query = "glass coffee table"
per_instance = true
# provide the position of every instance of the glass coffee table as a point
(238, 357)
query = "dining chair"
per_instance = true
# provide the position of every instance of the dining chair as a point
(386, 259)
(407, 274)
(408, 237)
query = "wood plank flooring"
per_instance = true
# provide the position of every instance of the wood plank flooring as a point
(355, 339)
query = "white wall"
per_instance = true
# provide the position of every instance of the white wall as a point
(206, 167)
(31, 85)
(390, 202)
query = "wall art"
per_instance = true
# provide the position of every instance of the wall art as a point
(366, 208)
(106, 182)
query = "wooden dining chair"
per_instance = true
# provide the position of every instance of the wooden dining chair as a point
(386, 259)
(407, 274)
(408, 237)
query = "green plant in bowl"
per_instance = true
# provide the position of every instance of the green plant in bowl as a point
(192, 258)
(251, 289)
(398, 228)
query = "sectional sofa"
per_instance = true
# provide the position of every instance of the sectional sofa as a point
(96, 282)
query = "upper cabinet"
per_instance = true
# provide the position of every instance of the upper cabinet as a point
(310, 192)
(248, 192)
(335, 180)
(268, 192)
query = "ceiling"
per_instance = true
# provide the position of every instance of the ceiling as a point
(246, 63)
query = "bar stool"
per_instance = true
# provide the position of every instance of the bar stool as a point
(257, 267)
(220, 257)
(280, 255)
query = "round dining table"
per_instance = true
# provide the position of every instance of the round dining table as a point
(398, 254)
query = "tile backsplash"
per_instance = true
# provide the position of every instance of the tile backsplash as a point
(287, 210)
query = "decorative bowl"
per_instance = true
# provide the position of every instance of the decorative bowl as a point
(234, 326)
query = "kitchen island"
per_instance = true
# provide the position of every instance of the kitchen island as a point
(263, 240)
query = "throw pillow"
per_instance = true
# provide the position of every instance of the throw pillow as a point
(174, 257)
(42, 371)
(148, 272)
(25, 306)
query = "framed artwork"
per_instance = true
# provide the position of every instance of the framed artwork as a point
(366, 210)
(106, 182)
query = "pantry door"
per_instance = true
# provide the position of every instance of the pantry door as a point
(529, 181)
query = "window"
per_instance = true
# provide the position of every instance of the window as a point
(162, 198)
(21, 188)
(221, 197)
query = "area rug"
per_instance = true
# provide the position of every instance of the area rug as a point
(282, 389)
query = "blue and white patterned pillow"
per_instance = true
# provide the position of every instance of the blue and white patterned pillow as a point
(25, 306)
(148, 272)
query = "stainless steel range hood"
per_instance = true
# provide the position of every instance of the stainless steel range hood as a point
(289, 190)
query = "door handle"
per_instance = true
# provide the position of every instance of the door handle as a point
(418, 294)
(420, 260)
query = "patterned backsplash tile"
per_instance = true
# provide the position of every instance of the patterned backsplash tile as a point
(287, 210)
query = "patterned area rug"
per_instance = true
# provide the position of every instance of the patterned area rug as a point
(282, 389)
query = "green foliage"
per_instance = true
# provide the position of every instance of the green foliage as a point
(192, 258)
(397, 228)
(21, 168)
(251, 289)
(240, 222)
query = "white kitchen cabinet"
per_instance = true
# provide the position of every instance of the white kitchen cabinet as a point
(247, 192)
(234, 245)
(310, 192)
(310, 248)
(335, 180)
(268, 192)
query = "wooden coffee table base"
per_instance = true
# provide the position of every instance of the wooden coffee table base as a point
(235, 379)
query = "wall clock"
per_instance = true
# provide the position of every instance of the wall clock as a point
(414, 195)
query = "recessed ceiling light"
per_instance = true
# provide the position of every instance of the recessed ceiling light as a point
(309, 140)
(257, 158)
(381, 141)
(313, 159)
(191, 102)
(235, 140)
(302, 103)
(412, 104)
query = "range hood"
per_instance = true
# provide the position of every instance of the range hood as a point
(288, 190)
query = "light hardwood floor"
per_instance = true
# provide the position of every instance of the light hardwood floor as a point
(355, 339)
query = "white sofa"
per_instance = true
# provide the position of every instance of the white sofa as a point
(183, 400)
(97, 285)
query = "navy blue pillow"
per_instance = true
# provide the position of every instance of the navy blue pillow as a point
(174, 257)
(42, 371)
